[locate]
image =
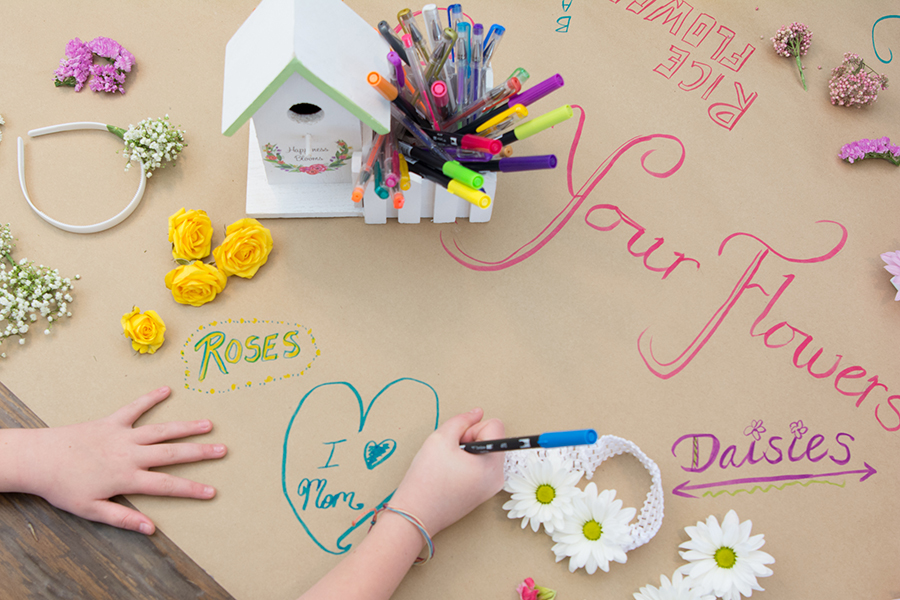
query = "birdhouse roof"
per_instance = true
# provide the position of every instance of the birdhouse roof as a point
(323, 40)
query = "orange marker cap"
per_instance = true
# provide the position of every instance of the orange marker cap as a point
(385, 87)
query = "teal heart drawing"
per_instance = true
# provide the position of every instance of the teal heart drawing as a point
(321, 478)
(375, 454)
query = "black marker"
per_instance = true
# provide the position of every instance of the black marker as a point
(388, 34)
(556, 439)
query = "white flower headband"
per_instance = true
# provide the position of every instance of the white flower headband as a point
(149, 143)
(96, 227)
(589, 527)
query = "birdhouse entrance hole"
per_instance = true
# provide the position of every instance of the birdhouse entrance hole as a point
(305, 112)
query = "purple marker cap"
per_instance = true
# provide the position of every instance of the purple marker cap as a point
(533, 94)
(527, 163)
(395, 60)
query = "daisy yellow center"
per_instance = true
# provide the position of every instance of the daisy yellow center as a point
(725, 557)
(592, 530)
(545, 493)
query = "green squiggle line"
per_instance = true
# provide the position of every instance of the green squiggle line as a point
(777, 487)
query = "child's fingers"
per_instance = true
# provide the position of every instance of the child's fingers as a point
(130, 413)
(152, 483)
(161, 455)
(162, 432)
(455, 427)
(492, 429)
(110, 513)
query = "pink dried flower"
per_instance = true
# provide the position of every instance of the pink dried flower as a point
(793, 40)
(113, 51)
(74, 70)
(854, 82)
(106, 78)
(527, 590)
(865, 148)
(110, 77)
(78, 65)
(893, 267)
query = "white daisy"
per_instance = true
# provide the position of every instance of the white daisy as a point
(543, 493)
(596, 532)
(680, 588)
(725, 560)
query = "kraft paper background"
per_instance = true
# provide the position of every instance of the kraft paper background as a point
(554, 341)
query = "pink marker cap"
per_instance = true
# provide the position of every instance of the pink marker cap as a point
(439, 91)
(481, 144)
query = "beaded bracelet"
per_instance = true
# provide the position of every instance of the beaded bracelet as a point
(415, 521)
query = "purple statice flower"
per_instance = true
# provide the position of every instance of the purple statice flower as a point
(793, 41)
(855, 83)
(107, 78)
(893, 267)
(110, 77)
(74, 70)
(865, 148)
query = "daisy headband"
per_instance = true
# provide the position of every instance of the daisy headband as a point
(590, 527)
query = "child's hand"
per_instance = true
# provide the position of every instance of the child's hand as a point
(444, 483)
(79, 467)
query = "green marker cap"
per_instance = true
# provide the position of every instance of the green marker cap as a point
(454, 170)
(543, 122)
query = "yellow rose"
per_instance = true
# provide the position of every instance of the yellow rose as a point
(196, 283)
(145, 330)
(190, 233)
(245, 249)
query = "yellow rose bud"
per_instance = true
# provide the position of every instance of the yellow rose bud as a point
(145, 330)
(245, 249)
(196, 283)
(191, 234)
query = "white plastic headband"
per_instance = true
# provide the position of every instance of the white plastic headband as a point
(78, 228)
(587, 459)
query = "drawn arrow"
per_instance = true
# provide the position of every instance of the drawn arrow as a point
(682, 488)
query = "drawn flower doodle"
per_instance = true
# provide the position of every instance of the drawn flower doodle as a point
(798, 429)
(755, 429)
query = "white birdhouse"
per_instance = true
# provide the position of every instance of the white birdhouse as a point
(296, 70)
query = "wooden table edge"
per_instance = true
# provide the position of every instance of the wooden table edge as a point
(46, 552)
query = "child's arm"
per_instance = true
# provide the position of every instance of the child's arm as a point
(77, 468)
(442, 485)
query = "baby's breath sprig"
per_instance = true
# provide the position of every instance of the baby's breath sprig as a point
(151, 142)
(27, 290)
(2, 122)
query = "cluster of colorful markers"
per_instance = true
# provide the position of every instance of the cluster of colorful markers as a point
(447, 124)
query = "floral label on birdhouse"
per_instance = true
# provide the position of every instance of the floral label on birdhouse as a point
(296, 160)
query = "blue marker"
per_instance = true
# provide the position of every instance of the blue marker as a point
(556, 439)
